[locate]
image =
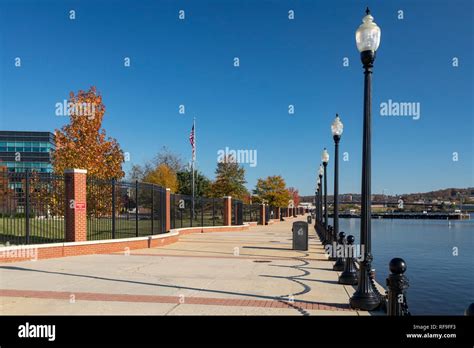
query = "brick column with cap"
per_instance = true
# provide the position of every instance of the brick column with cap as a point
(228, 211)
(262, 214)
(75, 210)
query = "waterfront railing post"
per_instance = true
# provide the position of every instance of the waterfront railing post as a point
(339, 265)
(349, 275)
(397, 283)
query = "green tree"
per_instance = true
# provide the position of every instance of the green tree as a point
(230, 179)
(202, 183)
(273, 191)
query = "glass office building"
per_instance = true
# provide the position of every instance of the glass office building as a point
(21, 151)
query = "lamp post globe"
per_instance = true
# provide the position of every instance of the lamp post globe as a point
(367, 40)
(325, 157)
(368, 34)
(337, 127)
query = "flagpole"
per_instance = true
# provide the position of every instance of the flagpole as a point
(192, 163)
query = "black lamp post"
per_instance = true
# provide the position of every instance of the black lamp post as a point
(320, 184)
(336, 129)
(325, 160)
(368, 40)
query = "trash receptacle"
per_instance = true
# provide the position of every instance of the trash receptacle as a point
(309, 219)
(300, 235)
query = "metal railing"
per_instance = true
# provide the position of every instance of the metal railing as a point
(251, 212)
(119, 209)
(206, 212)
(31, 208)
(237, 212)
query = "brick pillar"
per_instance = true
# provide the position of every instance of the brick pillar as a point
(75, 212)
(168, 210)
(262, 214)
(277, 213)
(228, 211)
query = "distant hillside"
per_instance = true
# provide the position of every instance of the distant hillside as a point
(448, 194)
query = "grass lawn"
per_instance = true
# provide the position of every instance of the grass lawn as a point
(13, 229)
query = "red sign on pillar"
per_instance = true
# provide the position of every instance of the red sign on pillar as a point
(80, 206)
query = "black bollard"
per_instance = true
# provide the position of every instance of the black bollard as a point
(339, 265)
(397, 283)
(349, 275)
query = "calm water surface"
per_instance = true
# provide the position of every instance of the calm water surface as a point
(440, 282)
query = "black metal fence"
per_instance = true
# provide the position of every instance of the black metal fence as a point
(31, 208)
(203, 212)
(118, 209)
(237, 212)
(251, 212)
(272, 212)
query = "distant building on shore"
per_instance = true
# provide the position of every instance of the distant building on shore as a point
(26, 150)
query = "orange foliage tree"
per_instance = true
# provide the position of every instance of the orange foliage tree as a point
(83, 144)
(164, 176)
(295, 196)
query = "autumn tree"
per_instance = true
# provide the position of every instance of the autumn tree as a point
(230, 179)
(83, 142)
(273, 191)
(295, 196)
(163, 176)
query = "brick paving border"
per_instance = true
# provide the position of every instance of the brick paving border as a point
(94, 296)
(256, 258)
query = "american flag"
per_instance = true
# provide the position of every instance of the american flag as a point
(193, 144)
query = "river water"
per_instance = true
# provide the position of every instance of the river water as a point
(439, 256)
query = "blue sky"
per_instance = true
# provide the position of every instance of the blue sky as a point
(282, 62)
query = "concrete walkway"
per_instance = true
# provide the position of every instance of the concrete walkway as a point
(251, 272)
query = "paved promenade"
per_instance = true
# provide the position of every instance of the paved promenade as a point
(251, 272)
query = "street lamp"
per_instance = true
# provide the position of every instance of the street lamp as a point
(336, 129)
(325, 160)
(367, 40)
(320, 183)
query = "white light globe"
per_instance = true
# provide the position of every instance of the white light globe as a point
(368, 34)
(337, 127)
(325, 156)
